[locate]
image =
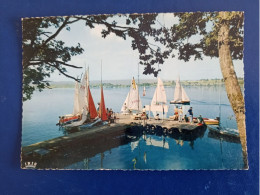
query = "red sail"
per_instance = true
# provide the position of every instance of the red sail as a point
(91, 105)
(102, 107)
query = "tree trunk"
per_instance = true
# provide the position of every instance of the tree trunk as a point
(233, 89)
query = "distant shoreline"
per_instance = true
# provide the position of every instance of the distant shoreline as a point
(114, 84)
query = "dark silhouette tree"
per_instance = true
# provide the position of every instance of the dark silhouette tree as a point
(42, 53)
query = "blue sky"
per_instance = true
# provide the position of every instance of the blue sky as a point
(119, 61)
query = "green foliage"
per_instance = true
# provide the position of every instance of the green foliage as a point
(43, 54)
(206, 25)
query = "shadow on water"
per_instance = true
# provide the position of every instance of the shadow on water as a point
(226, 138)
(82, 150)
(78, 150)
(68, 131)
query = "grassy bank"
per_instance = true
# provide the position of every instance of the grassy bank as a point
(107, 84)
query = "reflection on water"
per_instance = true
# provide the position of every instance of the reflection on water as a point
(172, 150)
(144, 148)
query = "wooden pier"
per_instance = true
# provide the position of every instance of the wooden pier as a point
(166, 123)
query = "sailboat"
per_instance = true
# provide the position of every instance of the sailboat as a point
(95, 117)
(180, 96)
(76, 107)
(159, 100)
(91, 105)
(80, 101)
(102, 108)
(75, 114)
(102, 113)
(83, 103)
(133, 100)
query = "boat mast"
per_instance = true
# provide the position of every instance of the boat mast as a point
(138, 86)
(88, 86)
(88, 74)
(101, 72)
(100, 106)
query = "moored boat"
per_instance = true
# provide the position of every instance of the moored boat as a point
(68, 119)
(102, 108)
(80, 101)
(208, 121)
(132, 102)
(83, 99)
(180, 95)
(158, 105)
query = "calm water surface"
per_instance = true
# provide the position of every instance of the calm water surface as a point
(151, 152)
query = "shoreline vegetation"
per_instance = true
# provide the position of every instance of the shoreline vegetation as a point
(146, 83)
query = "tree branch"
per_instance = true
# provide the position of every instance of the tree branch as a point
(106, 23)
(57, 32)
(70, 22)
(55, 66)
(37, 62)
(44, 33)
(47, 40)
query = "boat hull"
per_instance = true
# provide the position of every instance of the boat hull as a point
(211, 122)
(68, 119)
(207, 121)
(183, 103)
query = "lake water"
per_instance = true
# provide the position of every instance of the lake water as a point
(40, 116)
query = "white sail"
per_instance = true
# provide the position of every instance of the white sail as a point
(177, 91)
(80, 101)
(159, 100)
(159, 94)
(134, 102)
(184, 95)
(125, 104)
(83, 92)
(180, 96)
(157, 108)
(76, 108)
